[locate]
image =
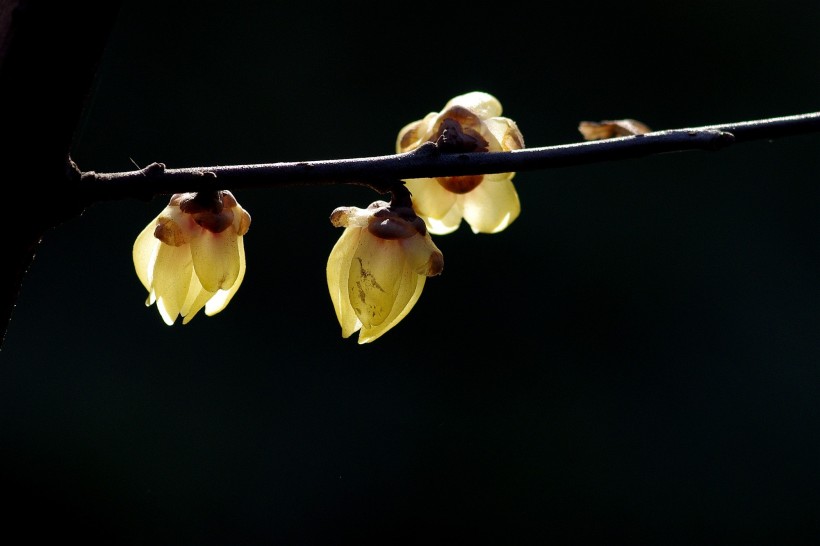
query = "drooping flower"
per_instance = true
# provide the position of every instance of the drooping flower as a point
(192, 255)
(377, 269)
(469, 123)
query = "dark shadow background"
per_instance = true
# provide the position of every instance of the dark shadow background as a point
(636, 360)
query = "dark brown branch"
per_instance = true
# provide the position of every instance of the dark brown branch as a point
(427, 161)
(49, 54)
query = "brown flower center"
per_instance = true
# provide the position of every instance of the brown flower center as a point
(460, 184)
(459, 133)
(210, 210)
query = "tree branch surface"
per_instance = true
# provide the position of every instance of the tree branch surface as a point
(49, 54)
(427, 161)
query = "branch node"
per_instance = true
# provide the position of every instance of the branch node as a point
(427, 149)
(154, 169)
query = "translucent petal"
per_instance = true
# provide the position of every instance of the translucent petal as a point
(409, 137)
(172, 278)
(375, 275)
(423, 256)
(144, 252)
(430, 198)
(493, 144)
(506, 132)
(337, 271)
(195, 300)
(216, 259)
(242, 219)
(482, 104)
(351, 217)
(416, 133)
(223, 297)
(492, 206)
(407, 294)
(448, 223)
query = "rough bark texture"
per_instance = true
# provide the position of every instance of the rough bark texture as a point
(48, 58)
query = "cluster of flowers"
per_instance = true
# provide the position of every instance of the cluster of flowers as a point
(192, 255)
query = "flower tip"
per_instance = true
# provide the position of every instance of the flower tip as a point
(436, 265)
(339, 217)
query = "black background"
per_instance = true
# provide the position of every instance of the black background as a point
(635, 360)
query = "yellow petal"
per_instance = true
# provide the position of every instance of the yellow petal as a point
(194, 301)
(447, 223)
(337, 271)
(407, 294)
(172, 278)
(242, 220)
(492, 206)
(216, 259)
(429, 197)
(375, 275)
(423, 256)
(222, 298)
(416, 133)
(506, 132)
(145, 253)
(440, 209)
(481, 104)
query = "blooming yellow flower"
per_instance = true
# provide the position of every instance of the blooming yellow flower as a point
(377, 268)
(192, 255)
(469, 123)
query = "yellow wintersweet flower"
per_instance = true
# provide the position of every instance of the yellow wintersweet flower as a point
(469, 123)
(192, 255)
(377, 268)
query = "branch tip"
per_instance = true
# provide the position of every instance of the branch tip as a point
(723, 139)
